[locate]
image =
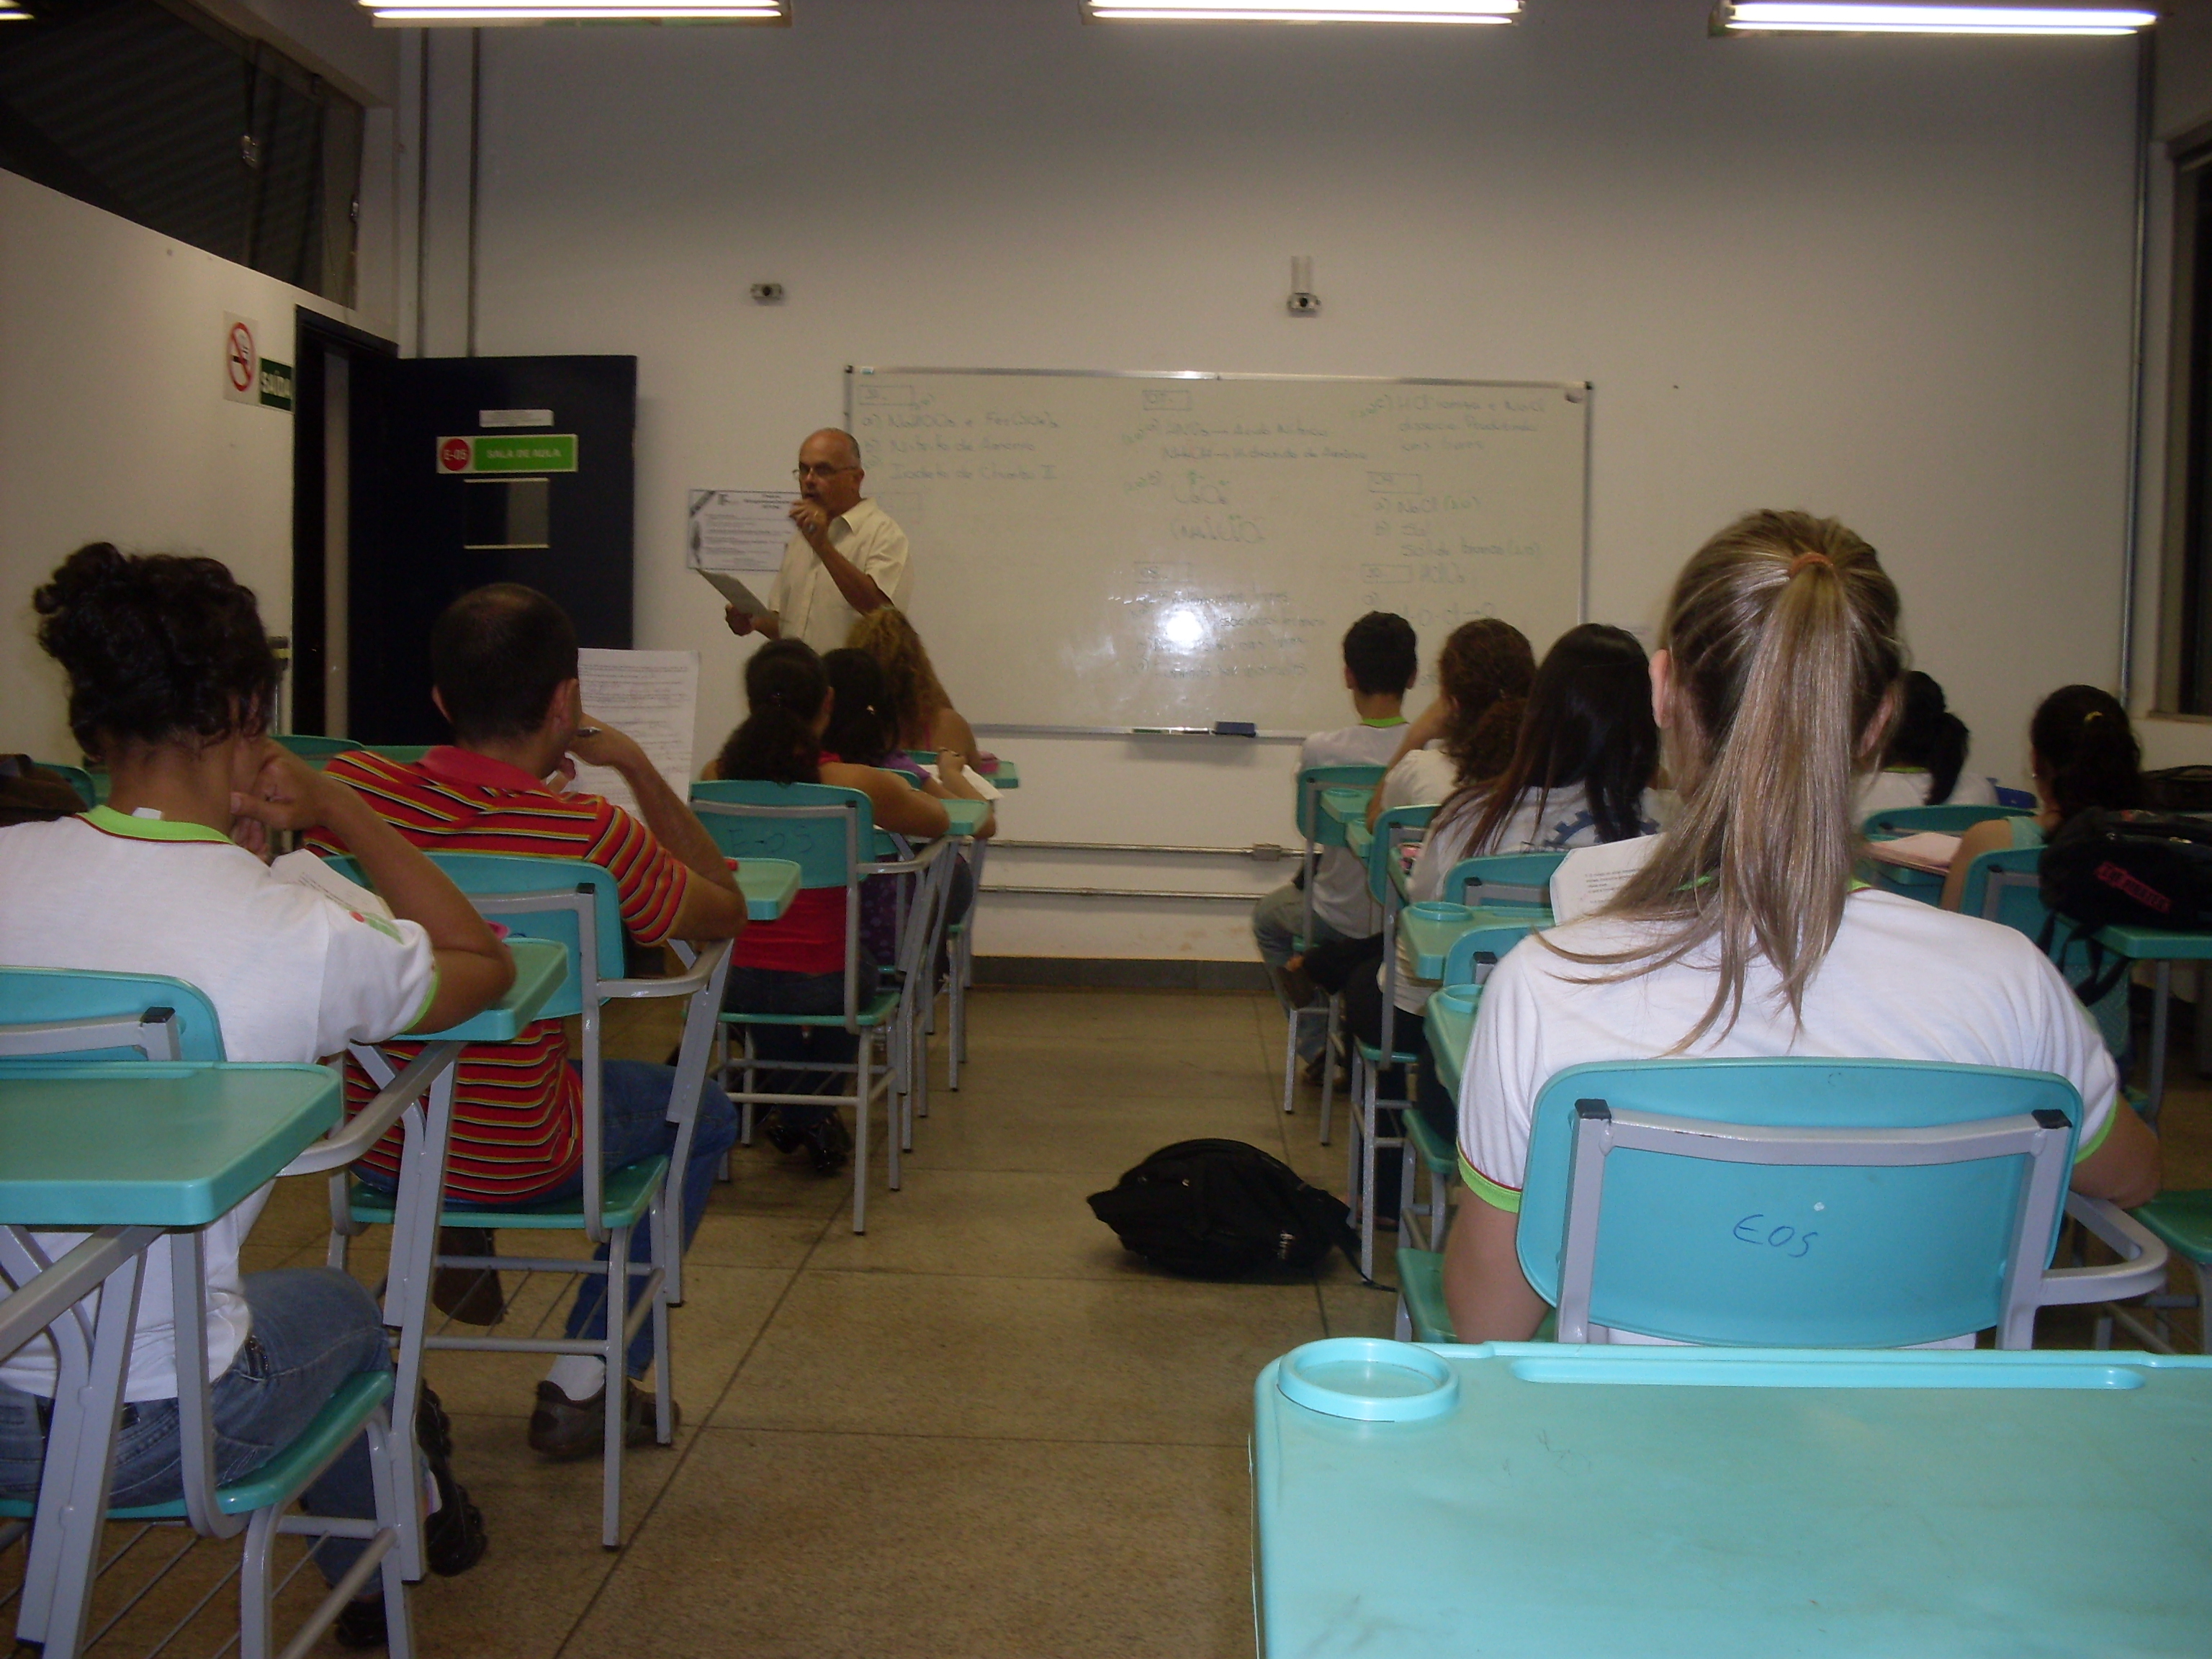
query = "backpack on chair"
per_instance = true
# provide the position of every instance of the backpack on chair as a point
(1221, 1209)
(2125, 869)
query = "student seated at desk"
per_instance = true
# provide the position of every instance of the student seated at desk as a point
(2082, 753)
(1584, 755)
(503, 667)
(1482, 674)
(925, 720)
(796, 964)
(171, 681)
(860, 733)
(1924, 764)
(1775, 685)
(1380, 660)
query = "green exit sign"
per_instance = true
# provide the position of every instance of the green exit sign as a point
(541, 452)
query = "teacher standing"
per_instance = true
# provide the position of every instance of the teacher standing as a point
(846, 558)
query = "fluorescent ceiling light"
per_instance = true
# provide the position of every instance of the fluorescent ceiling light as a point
(1804, 17)
(477, 13)
(1302, 11)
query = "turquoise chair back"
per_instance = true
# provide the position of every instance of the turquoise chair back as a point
(69, 1013)
(1384, 848)
(1946, 820)
(310, 747)
(78, 778)
(1502, 879)
(827, 832)
(498, 876)
(1776, 1254)
(1313, 826)
(2005, 887)
(1472, 954)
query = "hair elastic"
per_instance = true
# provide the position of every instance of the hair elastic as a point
(1804, 559)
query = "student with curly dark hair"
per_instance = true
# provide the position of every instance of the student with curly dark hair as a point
(171, 683)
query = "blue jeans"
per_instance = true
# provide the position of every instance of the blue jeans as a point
(312, 1328)
(634, 1097)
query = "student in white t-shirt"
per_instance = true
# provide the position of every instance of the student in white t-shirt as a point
(1583, 757)
(1380, 660)
(1924, 764)
(1775, 685)
(171, 680)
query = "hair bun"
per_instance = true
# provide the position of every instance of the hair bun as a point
(85, 572)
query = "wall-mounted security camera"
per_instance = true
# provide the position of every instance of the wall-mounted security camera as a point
(1303, 302)
(768, 293)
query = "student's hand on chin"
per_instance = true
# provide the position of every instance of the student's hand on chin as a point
(597, 745)
(286, 793)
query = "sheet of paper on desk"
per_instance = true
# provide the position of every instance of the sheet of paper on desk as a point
(1926, 851)
(653, 695)
(303, 869)
(739, 530)
(1589, 876)
(982, 786)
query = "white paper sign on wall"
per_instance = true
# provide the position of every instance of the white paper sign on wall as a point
(241, 360)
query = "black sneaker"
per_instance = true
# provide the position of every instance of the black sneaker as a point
(781, 1135)
(360, 1624)
(829, 1145)
(454, 1539)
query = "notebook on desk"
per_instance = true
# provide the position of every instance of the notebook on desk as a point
(1927, 850)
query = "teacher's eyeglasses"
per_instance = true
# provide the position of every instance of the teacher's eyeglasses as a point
(816, 469)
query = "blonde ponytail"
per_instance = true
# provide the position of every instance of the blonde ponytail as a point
(1783, 635)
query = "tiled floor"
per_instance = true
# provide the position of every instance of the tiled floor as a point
(979, 1430)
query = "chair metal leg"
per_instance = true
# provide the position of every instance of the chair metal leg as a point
(399, 1497)
(865, 1087)
(1328, 1065)
(1291, 1063)
(1402, 1326)
(617, 1304)
(899, 1123)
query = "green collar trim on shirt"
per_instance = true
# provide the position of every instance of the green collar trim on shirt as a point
(108, 821)
(1910, 771)
(1396, 720)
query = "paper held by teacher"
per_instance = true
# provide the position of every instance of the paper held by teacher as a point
(653, 695)
(739, 530)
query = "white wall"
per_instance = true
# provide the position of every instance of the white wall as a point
(113, 426)
(1884, 278)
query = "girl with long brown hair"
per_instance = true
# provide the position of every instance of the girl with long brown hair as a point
(1775, 687)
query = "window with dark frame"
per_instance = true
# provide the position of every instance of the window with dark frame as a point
(161, 114)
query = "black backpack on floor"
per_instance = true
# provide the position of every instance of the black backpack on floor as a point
(1221, 1209)
(2129, 869)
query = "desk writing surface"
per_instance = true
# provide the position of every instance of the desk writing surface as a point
(1430, 938)
(1342, 807)
(1449, 1031)
(2155, 943)
(541, 967)
(1761, 1503)
(769, 886)
(156, 1144)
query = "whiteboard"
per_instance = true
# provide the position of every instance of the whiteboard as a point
(1130, 550)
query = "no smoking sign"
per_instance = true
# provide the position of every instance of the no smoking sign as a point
(241, 362)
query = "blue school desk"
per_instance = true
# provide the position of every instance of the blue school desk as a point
(1533, 1501)
(769, 886)
(2157, 945)
(1006, 775)
(1431, 927)
(139, 1147)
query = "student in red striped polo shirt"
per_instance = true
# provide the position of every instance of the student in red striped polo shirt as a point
(503, 663)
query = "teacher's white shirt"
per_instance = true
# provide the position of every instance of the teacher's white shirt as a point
(806, 599)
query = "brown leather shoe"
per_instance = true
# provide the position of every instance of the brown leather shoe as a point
(561, 1428)
(472, 1295)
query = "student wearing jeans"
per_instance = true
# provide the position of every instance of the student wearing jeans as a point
(1380, 660)
(171, 679)
(504, 666)
(1775, 685)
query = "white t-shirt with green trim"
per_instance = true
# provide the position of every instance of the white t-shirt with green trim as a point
(1903, 980)
(292, 977)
